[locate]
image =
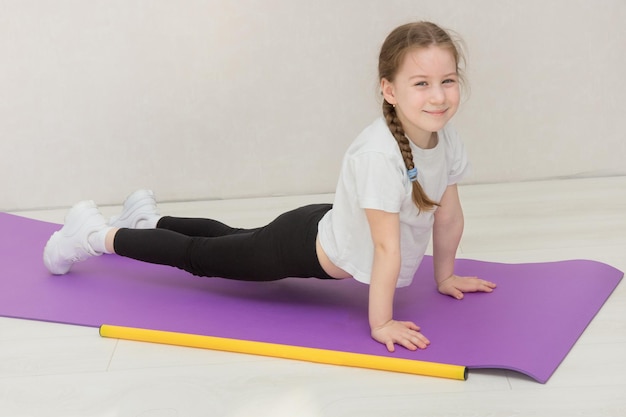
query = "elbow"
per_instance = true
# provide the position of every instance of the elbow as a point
(387, 260)
(387, 250)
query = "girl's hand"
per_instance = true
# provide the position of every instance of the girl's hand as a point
(404, 333)
(455, 286)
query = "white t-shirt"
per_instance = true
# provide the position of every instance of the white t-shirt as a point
(373, 175)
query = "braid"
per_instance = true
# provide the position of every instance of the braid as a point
(420, 198)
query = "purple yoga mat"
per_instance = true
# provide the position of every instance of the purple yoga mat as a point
(528, 324)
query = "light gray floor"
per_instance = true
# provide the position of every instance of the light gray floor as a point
(57, 370)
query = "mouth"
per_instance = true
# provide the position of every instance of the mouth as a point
(436, 112)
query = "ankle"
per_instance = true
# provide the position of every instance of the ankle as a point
(98, 240)
(109, 240)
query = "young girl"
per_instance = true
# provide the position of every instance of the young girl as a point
(397, 185)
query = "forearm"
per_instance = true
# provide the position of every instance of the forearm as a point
(446, 239)
(385, 270)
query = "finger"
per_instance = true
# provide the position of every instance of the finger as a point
(419, 340)
(486, 286)
(407, 343)
(390, 346)
(453, 292)
(411, 326)
(474, 285)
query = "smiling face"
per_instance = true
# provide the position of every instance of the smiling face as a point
(425, 92)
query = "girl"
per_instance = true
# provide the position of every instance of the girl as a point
(397, 185)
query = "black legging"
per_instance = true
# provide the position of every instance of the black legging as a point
(204, 247)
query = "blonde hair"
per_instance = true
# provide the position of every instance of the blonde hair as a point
(400, 41)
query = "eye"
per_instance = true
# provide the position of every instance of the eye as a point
(449, 81)
(421, 84)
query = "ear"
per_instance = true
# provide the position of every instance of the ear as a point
(388, 91)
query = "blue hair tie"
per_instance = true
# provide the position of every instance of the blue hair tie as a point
(412, 174)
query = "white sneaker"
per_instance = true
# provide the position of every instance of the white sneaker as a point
(71, 244)
(139, 212)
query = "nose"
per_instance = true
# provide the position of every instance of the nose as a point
(437, 95)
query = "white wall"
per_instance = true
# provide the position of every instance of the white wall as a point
(218, 99)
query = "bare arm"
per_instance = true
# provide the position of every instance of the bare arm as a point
(385, 231)
(447, 232)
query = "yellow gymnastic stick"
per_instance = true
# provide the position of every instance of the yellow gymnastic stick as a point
(286, 352)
